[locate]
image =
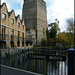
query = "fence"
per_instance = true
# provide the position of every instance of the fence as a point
(46, 62)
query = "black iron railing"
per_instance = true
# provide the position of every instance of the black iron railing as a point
(4, 37)
(20, 58)
(19, 39)
(23, 39)
(13, 38)
(29, 39)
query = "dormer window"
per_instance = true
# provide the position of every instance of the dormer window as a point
(3, 16)
(18, 24)
(12, 20)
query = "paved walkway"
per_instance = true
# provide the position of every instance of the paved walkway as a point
(5, 70)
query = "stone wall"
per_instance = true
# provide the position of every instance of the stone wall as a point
(35, 17)
(30, 13)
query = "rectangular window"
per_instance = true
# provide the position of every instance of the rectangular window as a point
(12, 20)
(22, 43)
(12, 44)
(3, 32)
(18, 44)
(26, 44)
(3, 16)
(12, 31)
(3, 29)
(23, 35)
(18, 33)
(23, 27)
(18, 24)
(30, 44)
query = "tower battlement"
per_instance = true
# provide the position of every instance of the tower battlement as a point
(42, 2)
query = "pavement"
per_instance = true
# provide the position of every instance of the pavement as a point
(6, 70)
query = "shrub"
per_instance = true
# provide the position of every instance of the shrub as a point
(43, 42)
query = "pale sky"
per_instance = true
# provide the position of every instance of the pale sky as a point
(56, 9)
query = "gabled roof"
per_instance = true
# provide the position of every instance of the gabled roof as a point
(9, 13)
(3, 5)
(16, 17)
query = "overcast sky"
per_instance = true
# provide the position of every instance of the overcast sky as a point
(56, 9)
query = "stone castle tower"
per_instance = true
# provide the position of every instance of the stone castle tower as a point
(35, 16)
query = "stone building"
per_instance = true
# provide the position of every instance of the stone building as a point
(35, 17)
(12, 29)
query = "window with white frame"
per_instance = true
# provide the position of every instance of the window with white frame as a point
(3, 31)
(12, 20)
(3, 16)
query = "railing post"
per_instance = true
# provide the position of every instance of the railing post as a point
(71, 62)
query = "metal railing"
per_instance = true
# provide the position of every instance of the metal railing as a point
(23, 39)
(4, 37)
(18, 58)
(29, 39)
(19, 39)
(13, 38)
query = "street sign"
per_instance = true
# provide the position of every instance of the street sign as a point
(47, 57)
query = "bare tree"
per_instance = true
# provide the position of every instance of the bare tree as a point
(70, 25)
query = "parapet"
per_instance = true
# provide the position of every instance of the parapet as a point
(42, 2)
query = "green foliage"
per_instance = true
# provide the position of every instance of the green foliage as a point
(50, 42)
(52, 33)
(48, 34)
(53, 30)
(43, 42)
(66, 38)
(70, 39)
(70, 29)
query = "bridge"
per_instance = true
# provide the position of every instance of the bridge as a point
(38, 62)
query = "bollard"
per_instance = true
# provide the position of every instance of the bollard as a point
(71, 62)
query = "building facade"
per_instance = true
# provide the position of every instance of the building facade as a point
(12, 29)
(35, 17)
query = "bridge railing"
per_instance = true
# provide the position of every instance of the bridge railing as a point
(46, 62)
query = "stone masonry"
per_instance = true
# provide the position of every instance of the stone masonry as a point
(35, 16)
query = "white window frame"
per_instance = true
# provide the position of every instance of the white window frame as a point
(3, 16)
(12, 20)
